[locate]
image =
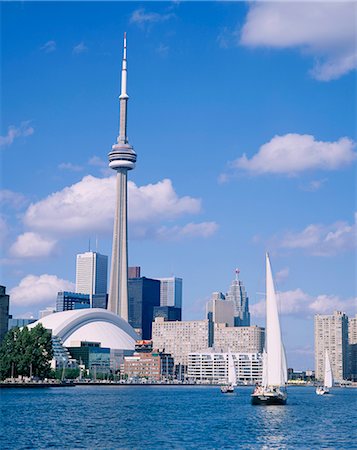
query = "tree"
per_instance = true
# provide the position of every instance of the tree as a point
(26, 352)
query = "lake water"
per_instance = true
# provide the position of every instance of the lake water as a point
(175, 417)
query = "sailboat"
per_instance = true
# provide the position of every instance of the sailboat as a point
(272, 390)
(232, 377)
(328, 378)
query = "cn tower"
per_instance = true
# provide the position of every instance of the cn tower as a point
(122, 158)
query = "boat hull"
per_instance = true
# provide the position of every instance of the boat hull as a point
(268, 400)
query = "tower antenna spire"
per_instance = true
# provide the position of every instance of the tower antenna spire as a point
(123, 99)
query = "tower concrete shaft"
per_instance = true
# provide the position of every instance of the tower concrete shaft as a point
(122, 158)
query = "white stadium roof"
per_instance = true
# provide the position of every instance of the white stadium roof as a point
(90, 324)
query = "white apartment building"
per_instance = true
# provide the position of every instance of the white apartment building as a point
(212, 367)
(331, 334)
(238, 339)
(222, 310)
(352, 344)
(171, 292)
(180, 338)
(91, 273)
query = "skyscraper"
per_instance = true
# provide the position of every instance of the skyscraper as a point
(171, 292)
(222, 310)
(144, 295)
(352, 344)
(331, 334)
(238, 295)
(91, 273)
(121, 159)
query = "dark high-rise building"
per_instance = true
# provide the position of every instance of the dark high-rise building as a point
(167, 312)
(67, 301)
(134, 272)
(144, 295)
(4, 312)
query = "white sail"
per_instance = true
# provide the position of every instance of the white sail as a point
(328, 378)
(232, 377)
(276, 362)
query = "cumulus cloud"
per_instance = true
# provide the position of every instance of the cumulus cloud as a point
(79, 48)
(13, 132)
(37, 290)
(49, 47)
(292, 153)
(32, 245)
(71, 167)
(89, 206)
(299, 303)
(322, 240)
(324, 30)
(142, 17)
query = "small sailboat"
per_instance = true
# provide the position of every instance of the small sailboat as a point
(328, 378)
(272, 390)
(232, 376)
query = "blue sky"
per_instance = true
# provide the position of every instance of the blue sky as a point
(208, 84)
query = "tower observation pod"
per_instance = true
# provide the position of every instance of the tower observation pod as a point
(122, 158)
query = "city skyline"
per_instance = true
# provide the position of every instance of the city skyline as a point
(218, 120)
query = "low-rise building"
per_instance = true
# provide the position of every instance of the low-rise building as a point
(153, 366)
(90, 354)
(212, 367)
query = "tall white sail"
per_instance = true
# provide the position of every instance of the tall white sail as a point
(276, 362)
(232, 376)
(328, 378)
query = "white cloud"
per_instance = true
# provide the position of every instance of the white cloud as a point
(11, 198)
(141, 17)
(89, 206)
(325, 30)
(79, 48)
(294, 153)
(313, 185)
(71, 167)
(192, 230)
(14, 132)
(322, 240)
(49, 47)
(97, 161)
(37, 290)
(298, 303)
(32, 245)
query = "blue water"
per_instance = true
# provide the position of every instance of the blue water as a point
(176, 417)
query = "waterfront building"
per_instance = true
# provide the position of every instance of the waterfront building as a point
(90, 324)
(91, 273)
(352, 344)
(46, 312)
(134, 272)
(171, 292)
(221, 310)
(153, 366)
(238, 339)
(90, 354)
(238, 295)
(144, 295)
(122, 158)
(18, 322)
(212, 367)
(331, 334)
(4, 312)
(167, 312)
(180, 338)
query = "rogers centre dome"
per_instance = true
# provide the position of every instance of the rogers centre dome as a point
(92, 324)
